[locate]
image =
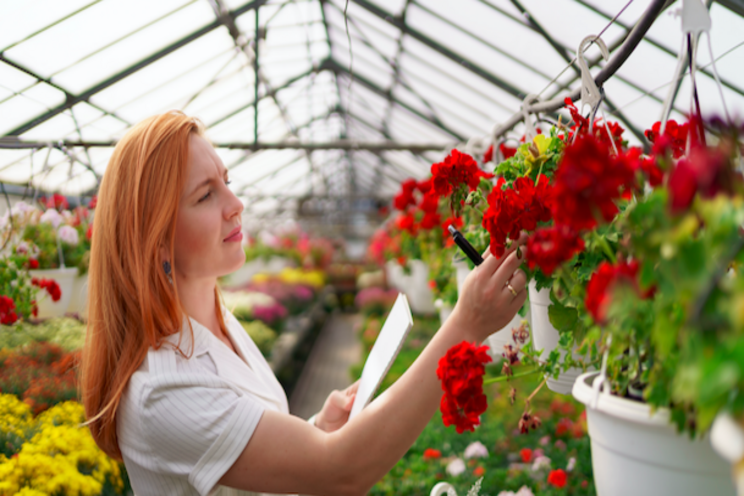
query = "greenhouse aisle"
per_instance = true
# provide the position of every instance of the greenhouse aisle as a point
(336, 350)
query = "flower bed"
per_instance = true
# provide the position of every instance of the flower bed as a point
(553, 459)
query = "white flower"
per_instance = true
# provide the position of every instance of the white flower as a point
(243, 302)
(21, 207)
(541, 462)
(69, 235)
(476, 450)
(456, 467)
(523, 491)
(571, 464)
(51, 216)
(22, 247)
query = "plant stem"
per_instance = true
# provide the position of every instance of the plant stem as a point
(602, 242)
(503, 378)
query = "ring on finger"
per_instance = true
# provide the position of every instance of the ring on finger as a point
(513, 291)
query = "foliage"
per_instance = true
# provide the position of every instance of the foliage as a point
(67, 332)
(262, 335)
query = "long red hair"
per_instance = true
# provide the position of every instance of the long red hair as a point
(131, 304)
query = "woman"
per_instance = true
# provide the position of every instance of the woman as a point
(174, 387)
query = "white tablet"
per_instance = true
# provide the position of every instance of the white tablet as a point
(386, 348)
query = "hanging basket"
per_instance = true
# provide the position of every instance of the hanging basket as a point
(65, 278)
(545, 337)
(415, 285)
(79, 296)
(640, 453)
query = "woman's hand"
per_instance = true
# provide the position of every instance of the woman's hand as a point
(487, 303)
(335, 412)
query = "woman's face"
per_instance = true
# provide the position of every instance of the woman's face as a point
(208, 227)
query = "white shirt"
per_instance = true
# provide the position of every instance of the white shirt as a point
(182, 422)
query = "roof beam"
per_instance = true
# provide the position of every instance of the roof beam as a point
(86, 95)
(462, 61)
(333, 66)
(563, 52)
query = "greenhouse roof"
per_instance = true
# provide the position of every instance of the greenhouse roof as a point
(321, 107)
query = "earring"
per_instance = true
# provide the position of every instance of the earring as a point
(167, 269)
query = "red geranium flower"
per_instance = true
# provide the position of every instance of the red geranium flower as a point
(50, 285)
(674, 138)
(461, 371)
(507, 151)
(7, 310)
(588, 181)
(479, 471)
(93, 202)
(405, 197)
(557, 478)
(406, 223)
(704, 172)
(511, 210)
(452, 221)
(526, 455)
(432, 454)
(33, 263)
(598, 131)
(456, 170)
(549, 247)
(89, 232)
(563, 426)
(488, 156)
(604, 281)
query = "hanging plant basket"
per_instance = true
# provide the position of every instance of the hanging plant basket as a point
(415, 285)
(545, 337)
(639, 452)
(65, 278)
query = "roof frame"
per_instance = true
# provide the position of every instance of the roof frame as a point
(87, 94)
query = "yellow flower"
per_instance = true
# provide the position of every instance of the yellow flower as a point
(61, 456)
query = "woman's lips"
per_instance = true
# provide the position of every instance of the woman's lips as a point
(235, 235)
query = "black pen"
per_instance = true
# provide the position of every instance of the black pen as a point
(465, 246)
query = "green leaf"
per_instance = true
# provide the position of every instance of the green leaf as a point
(562, 318)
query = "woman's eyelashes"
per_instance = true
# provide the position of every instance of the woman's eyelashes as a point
(209, 193)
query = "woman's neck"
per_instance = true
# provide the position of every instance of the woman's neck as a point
(197, 297)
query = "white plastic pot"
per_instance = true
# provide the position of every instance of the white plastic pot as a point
(503, 336)
(65, 279)
(415, 285)
(79, 296)
(635, 452)
(545, 337)
(727, 438)
(444, 312)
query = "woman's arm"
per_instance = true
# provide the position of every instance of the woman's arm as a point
(285, 454)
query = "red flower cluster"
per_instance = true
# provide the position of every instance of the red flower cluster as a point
(457, 169)
(599, 131)
(461, 371)
(603, 283)
(549, 247)
(56, 201)
(93, 202)
(33, 263)
(42, 375)
(507, 151)
(7, 310)
(432, 454)
(588, 181)
(557, 478)
(520, 207)
(452, 221)
(673, 139)
(50, 285)
(526, 455)
(405, 197)
(705, 172)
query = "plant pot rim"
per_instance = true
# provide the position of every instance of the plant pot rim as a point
(630, 410)
(58, 270)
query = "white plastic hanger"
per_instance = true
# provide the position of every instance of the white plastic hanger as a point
(529, 127)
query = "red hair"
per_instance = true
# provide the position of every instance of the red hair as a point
(131, 304)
